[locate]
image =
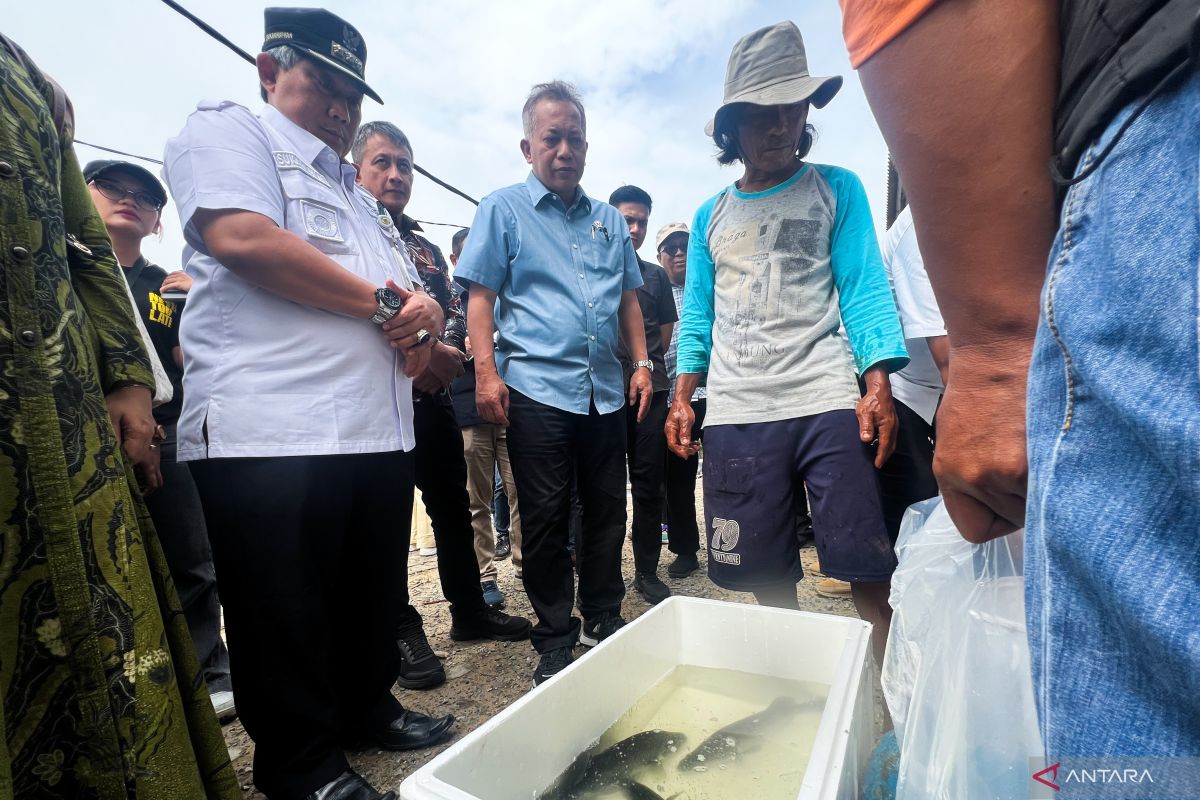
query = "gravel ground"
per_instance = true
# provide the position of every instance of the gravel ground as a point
(485, 677)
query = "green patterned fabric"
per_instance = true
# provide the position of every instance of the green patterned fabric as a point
(102, 696)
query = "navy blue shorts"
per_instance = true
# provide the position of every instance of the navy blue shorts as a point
(752, 474)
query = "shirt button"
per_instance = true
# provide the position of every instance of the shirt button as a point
(581, 274)
(20, 253)
(575, 246)
(593, 338)
(589, 305)
(28, 337)
(7, 170)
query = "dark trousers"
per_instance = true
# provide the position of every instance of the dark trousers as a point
(545, 446)
(441, 475)
(907, 477)
(179, 519)
(647, 443)
(312, 574)
(683, 533)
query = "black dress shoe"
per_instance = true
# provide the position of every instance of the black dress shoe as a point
(419, 667)
(489, 623)
(349, 786)
(412, 730)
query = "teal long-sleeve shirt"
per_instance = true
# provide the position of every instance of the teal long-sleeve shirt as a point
(787, 299)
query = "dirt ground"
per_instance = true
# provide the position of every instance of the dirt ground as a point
(485, 677)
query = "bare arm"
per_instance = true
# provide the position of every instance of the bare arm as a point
(965, 100)
(633, 331)
(491, 395)
(665, 332)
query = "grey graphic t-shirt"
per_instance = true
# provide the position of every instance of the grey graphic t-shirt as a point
(787, 299)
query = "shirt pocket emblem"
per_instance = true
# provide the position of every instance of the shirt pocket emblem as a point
(321, 221)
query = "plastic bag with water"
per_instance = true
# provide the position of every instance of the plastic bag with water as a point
(956, 677)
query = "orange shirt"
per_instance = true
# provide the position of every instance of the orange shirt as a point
(868, 25)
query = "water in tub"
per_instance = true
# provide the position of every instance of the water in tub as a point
(703, 734)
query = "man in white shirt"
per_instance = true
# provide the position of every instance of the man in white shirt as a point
(305, 324)
(907, 477)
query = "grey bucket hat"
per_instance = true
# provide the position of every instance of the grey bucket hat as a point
(769, 68)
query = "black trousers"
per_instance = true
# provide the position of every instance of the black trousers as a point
(441, 475)
(312, 573)
(545, 446)
(179, 519)
(646, 444)
(683, 534)
(907, 477)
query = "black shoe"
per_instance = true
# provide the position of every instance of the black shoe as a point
(349, 786)
(412, 730)
(553, 662)
(419, 667)
(683, 565)
(489, 623)
(503, 546)
(651, 587)
(600, 628)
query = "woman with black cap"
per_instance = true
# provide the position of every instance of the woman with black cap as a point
(130, 200)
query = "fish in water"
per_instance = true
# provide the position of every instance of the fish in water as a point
(742, 736)
(614, 767)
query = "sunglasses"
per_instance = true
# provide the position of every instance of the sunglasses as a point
(674, 249)
(116, 192)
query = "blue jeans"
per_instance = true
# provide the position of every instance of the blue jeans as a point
(1113, 543)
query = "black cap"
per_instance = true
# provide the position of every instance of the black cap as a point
(322, 35)
(95, 169)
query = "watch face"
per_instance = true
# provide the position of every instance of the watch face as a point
(388, 298)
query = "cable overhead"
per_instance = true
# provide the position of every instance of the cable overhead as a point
(213, 32)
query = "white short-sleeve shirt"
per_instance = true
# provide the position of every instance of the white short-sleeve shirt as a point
(264, 376)
(919, 385)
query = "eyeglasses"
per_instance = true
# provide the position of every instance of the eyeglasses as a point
(674, 249)
(116, 192)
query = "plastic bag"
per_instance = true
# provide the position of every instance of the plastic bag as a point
(956, 676)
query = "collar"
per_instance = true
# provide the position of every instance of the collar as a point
(409, 225)
(307, 146)
(538, 194)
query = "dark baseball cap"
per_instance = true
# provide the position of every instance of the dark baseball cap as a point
(96, 169)
(323, 36)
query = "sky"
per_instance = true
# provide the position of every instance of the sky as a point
(453, 75)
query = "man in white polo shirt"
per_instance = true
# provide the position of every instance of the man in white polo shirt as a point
(304, 326)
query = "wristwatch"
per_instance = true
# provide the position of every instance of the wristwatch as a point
(647, 363)
(389, 304)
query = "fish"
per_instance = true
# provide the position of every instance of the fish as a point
(593, 771)
(743, 736)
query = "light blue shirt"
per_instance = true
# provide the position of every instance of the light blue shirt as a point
(786, 299)
(558, 274)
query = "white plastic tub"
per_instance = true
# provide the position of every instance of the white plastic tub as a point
(520, 751)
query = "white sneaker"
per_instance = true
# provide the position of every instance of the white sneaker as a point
(223, 706)
(428, 551)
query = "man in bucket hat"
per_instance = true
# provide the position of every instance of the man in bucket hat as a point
(777, 264)
(305, 325)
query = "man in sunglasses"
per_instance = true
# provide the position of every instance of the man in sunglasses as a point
(383, 157)
(683, 532)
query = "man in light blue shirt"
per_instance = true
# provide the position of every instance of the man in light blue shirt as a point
(564, 271)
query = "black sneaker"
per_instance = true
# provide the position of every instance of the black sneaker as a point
(489, 623)
(600, 628)
(651, 587)
(419, 667)
(503, 546)
(683, 565)
(553, 662)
